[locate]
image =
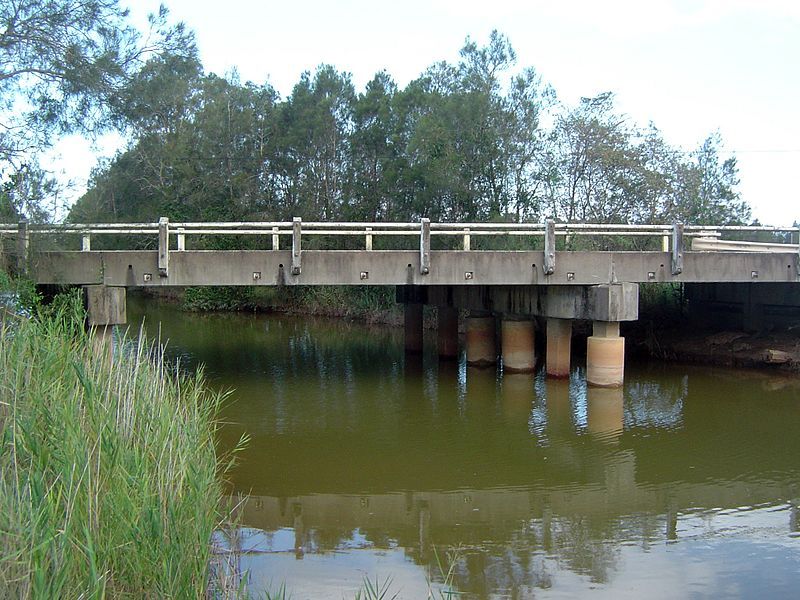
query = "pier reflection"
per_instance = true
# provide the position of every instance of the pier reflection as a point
(553, 471)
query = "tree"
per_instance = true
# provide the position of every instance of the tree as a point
(63, 64)
(462, 142)
(708, 187)
(26, 193)
(471, 144)
(311, 158)
(374, 152)
(64, 67)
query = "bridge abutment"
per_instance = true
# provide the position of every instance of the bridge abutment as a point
(106, 308)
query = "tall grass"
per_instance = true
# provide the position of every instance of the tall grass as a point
(108, 472)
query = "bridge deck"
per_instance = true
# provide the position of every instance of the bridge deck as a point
(172, 264)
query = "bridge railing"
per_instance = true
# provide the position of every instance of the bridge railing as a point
(366, 229)
(705, 237)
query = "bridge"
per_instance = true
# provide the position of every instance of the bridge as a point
(555, 272)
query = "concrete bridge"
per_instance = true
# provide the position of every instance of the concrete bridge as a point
(548, 277)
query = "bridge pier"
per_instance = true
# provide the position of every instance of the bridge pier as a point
(413, 327)
(447, 332)
(106, 308)
(480, 341)
(605, 355)
(559, 346)
(518, 346)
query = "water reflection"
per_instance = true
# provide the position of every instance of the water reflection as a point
(359, 451)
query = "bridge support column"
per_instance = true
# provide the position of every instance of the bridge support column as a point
(518, 346)
(559, 345)
(105, 309)
(447, 330)
(480, 340)
(605, 355)
(413, 327)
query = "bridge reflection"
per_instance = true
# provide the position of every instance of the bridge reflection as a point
(594, 485)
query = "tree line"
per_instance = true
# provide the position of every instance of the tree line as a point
(474, 140)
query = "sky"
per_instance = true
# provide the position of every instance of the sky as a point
(690, 67)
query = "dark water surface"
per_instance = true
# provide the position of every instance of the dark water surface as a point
(363, 463)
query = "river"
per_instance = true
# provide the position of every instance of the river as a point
(425, 476)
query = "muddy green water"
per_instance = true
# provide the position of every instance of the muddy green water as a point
(363, 463)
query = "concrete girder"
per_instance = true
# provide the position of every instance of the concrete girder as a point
(401, 267)
(616, 302)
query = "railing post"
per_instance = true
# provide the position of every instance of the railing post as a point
(276, 243)
(181, 240)
(163, 247)
(425, 246)
(677, 248)
(296, 249)
(368, 240)
(665, 243)
(23, 243)
(550, 247)
(86, 242)
(467, 240)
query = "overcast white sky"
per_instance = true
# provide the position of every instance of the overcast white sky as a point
(691, 67)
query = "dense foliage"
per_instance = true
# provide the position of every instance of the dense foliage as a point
(470, 141)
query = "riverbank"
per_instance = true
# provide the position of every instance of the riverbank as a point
(109, 478)
(685, 343)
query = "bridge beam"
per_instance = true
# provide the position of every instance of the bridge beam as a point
(605, 302)
(461, 269)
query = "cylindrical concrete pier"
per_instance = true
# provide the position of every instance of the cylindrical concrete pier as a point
(518, 346)
(413, 327)
(448, 332)
(559, 344)
(605, 355)
(480, 340)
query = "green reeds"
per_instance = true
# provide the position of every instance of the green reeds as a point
(108, 471)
